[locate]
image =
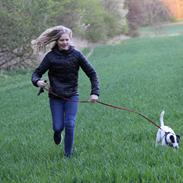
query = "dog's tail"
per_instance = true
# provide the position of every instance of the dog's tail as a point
(161, 118)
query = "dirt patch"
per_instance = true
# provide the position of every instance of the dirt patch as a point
(80, 43)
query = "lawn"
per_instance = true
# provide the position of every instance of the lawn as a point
(171, 29)
(111, 145)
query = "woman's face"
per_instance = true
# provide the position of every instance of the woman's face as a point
(64, 42)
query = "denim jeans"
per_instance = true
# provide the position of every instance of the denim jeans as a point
(63, 118)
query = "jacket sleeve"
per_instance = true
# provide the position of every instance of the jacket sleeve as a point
(40, 70)
(91, 73)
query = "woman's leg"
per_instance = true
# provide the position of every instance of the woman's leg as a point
(57, 111)
(69, 123)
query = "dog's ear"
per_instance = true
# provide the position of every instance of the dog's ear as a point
(178, 138)
(172, 138)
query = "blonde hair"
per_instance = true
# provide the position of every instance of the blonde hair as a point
(48, 36)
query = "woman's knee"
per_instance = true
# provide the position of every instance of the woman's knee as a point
(70, 124)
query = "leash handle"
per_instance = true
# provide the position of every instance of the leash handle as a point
(41, 90)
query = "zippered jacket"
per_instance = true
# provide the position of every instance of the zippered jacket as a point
(63, 67)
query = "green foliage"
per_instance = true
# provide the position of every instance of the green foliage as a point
(94, 17)
(23, 20)
(91, 20)
(110, 145)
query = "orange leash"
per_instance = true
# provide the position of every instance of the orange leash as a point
(102, 103)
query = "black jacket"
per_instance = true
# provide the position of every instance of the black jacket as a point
(63, 67)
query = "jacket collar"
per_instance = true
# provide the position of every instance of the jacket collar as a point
(65, 52)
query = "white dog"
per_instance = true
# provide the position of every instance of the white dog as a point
(166, 136)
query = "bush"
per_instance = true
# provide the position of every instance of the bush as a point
(146, 12)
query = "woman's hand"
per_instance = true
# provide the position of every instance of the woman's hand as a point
(41, 83)
(93, 98)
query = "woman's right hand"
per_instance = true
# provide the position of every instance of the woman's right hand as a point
(93, 98)
(41, 83)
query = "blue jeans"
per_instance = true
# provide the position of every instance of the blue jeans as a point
(63, 117)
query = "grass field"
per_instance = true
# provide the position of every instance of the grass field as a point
(111, 146)
(163, 30)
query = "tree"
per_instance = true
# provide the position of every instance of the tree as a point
(20, 21)
(115, 17)
(23, 20)
(93, 19)
(146, 12)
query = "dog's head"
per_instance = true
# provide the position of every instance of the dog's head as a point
(172, 140)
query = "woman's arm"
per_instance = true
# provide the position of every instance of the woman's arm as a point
(91, 73)
(40, 70)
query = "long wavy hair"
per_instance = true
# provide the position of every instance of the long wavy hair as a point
(50, 35)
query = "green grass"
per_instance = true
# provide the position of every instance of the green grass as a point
(110, 145)
(163, 30)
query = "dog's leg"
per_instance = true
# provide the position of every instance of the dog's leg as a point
(156, 143)
(158, 138)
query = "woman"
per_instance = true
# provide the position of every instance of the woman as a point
(63, 63)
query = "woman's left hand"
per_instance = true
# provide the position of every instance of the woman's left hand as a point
(93, 98)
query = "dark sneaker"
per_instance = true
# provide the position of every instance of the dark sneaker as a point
(68, 155)
(57, 137)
